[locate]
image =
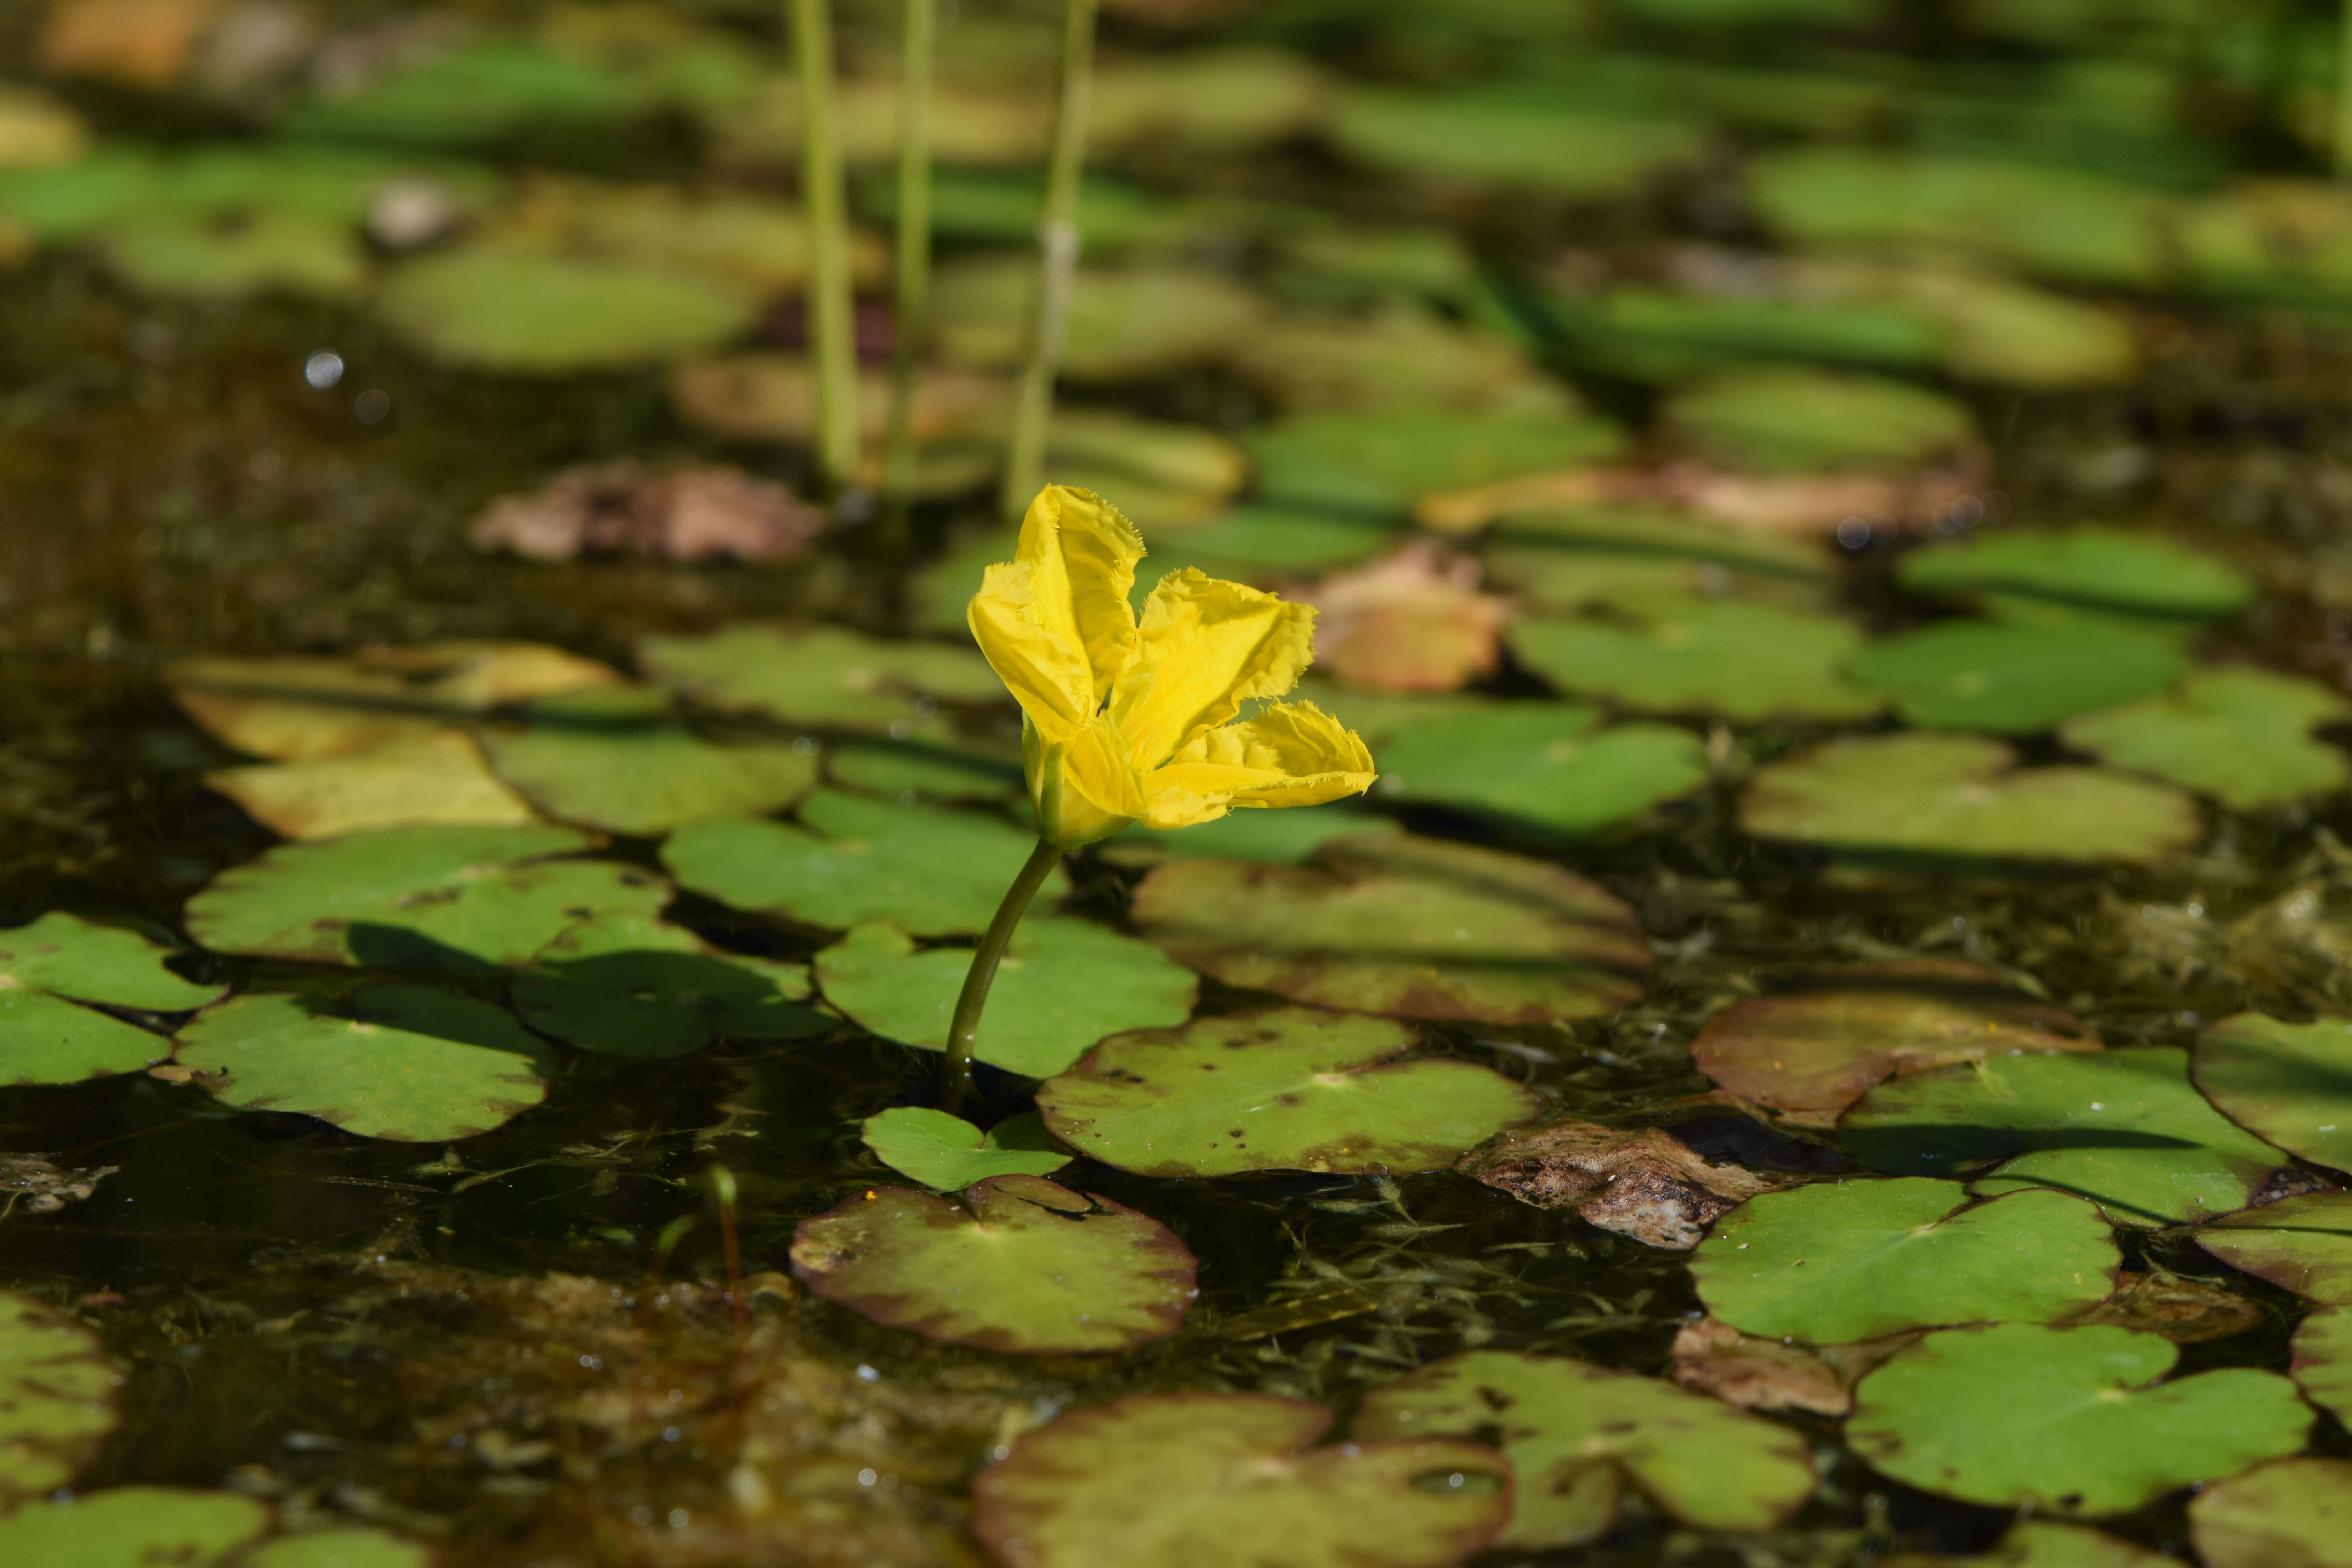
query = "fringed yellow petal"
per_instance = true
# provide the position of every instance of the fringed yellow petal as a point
(1205, 647)
(1055, 622)
(1081, 787)
(1294, 754)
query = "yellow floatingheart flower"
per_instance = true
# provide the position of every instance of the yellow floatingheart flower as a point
(1125, 721)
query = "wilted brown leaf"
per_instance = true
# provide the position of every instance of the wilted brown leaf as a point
(1648, 1184)
(1803, 504)
(698, 513)
(1413, 622)
(141, 43)
(1712, 1357)
(2185, 1312)
(772, 397)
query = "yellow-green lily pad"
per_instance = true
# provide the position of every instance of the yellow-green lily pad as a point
(626, 985)
(1673, 653)
(615, 758)
(2014, 679)
(2242, 736)
(2323, 1359)
(2290, 1511)
(339, 1548)
(820, 674)
(1782, 419)
(947, 1153)
(227, 255)
(50, 968)
(536, 313)
(2288, 1084)
(57, 1394)
(132, 1527)
(1552, 765)
(2302, 1243)
(1533, 141)
(2084, 568)
(1384, 462)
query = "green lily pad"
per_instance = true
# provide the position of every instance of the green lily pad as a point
(58, 1391)
(403, 1062)
(1652, 334)
(1842, 1261)
(1064, 985)
(1020, 1265)
(2123, 1128)
(615, 758)
(1409, 927)
(2288, 1084)
(2089, 568)
(1383, 462)
(626, 985)
(230, 255)
(473, 96)
(2302, 1243)
(437, 897)
(2014, 679)
(1132, 323)
(1575, 1433)
(1789, 420)
(1260, 541)
(2063, 1420)
(439, 779)
(1963, 795)
(1818, 1047)
(2323, 1359)
(2041, 1545)
(1289, 834)
(820, 674)
(1288, 1089)
(1548, 763)
(533, 314)
(341, 1549)
(48, 967)
(927, 868)
(2242, 736)
(2288, 1511)
(1677, 655)
(132, 1527)
(1573, 558)
(1510, 138)
(927, 769)
(1180, 1480)
(948, 1153)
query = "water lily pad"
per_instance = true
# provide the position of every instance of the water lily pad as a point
(948, 1153)
(628, 985)
(58, 1392)
(2302, 1243)
(2288, 1084)
(404, 1062)
(2014, 679)
(2294, 1511)
(819, 675)
(1380, 462)
(1963, 795)
(1504, 137)
(1290, 1089)
(1575, 1433)
(436, 779)
(1178, 1481)
(1819, 1045)
(2039, 1543)
(928, 869)
(1126, 324)
(1653, 334)
(1788, 420)
(1291, 834)
(1411, 927)
(2091, 568)
(417, 897)
(1573, 558)
(1064, 985)
(1842, 1261)
(923, 767)
(616, 758)
(226, 256)
(472, 96)
(1548, 763)
(2323, 1359)
(60, 959)
(297, 708)
(2063, 1420)
(341, 1549)
(132, 1527)
(2123, 1128)
(2242, 736)
(521, 310)
(1018, 1265)
(1679, 655)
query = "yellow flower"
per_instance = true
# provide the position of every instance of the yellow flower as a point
(1123, 721)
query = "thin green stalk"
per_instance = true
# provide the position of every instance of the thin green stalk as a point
(2343, 95)
(1057, 259)
(914, 282)
(832, 329)
(964, 1032)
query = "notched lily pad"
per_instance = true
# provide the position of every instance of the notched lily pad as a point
(1549, 764)
(1672, 654)
(1285, 1089)
(948, 1153)
(1019, 1264)
(818, 675)
(53, 966)
(58, 1391)
(2242, 736)
(2014, 679)
(626, 985)
(131, 1527)
(2302, 1243)
(1576, 1434)
(1409, 927)
(2290, 1511)
(2088, 568)
(615, 758)
(2288, 1084)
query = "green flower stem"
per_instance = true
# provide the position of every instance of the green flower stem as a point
(1057, 260)
(912, 303)
(2344, 93)
(832, 345)
(963, 1032)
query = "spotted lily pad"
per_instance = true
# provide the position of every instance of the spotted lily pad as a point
(1019, 1264)
(1064, 985)
(1675, 653)
(1383, 462)
(1842, 1261)
(461, 898)
(2302, 1243)
(1963, 795)
(2014, 679)
(341, 1549)
(2323, 1359)
(2064, 1420)
(948, 1153)
(404, 1062)
(52, 966)
(1784, 420)
(1548, 763)
(926, 868)
(2289, 1084)
(1285, 1089)
(2242, 736)
(819, 675)
(519, 310)
(1575, 1433)
(2088, 568)
(2294, 1511)
(615, 758)
(2123, 1128)
(1819, 1045)
(1409, 927)
(626, 985)
(57, 1394)
(1174, 1480)
(132, 1527)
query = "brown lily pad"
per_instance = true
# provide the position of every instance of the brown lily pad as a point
(1758, 1373)
(702, 512)
(2302, 1243)
(1414, 621)
(1647, 1184)
(2185, 1312)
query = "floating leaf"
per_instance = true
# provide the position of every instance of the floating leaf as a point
(60, 959)
(1064, 985)
(1962, 795)
(2242, 736)
(1653, 334)
(1177, 1481)
(691, 512)
(1574, 558)
(1547, 764)
(820, 674)
(1130, 324)
(1509, 138)
(928, 869)
(1758, 1374)
(2185, 1312)
(2323, 1359)
(1288, 1089)
(339, 1548)
(2302, 1243)
(471, 96)
(1383, 462)
(631, 986)
(1575, 1433)
(1019, 1264)
(465, 898)
(1413, 621)
(58, 1391)
(2087, 568)
(2289, 1084)
(948, 1153)
(1648, 1184)
(131, 1527)
(1291, 834)
(2123, 1128)
(439, 779)
(1399, 356)
(1411, 927)
(297, 708)
(1673, 653)
(617, 759)
(404, 1062)
(1821, 1046)
(1853, 1260)
(221, 256)
(2041, 1545)
(922, 767)
(524, 312)
(2013, 679)
(1789, 420)
(2288, 1511)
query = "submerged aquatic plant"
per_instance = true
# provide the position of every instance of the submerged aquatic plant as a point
(1126, 721)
